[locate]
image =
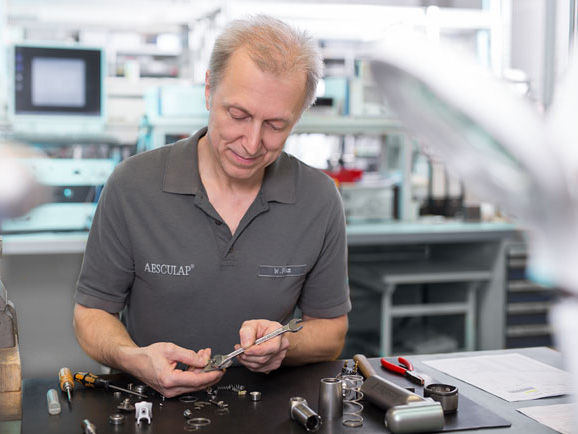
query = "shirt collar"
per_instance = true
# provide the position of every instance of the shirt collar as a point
(182, 175)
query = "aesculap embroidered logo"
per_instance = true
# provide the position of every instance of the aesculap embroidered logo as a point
(168, 269)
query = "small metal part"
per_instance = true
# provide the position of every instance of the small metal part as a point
(255, 395)
(88, 427)
(199, 421)
(300, 412)
(445, 394)
(116, 419)
(222, 411)
(188, 413)
(219, 404)
(117, 395)
(53, 402)
(242, 393)
(125, 405)
(140, 388)
(221, 361)
(143, 410)
(129, 386)
(188, 399)
(330, 398)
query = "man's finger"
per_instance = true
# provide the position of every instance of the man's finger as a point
(247, 334)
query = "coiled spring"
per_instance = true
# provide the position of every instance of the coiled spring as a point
(231, 388)
(352, 395)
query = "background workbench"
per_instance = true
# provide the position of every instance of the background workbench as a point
(272, 413)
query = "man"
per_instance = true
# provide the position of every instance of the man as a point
(214, 240)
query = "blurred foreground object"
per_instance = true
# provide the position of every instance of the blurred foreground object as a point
(505, 152)
(19, 189)
(19, 192)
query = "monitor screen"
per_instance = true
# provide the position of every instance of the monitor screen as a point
(57, 81)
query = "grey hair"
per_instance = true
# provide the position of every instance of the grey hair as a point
(274, 46)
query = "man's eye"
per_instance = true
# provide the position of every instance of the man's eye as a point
(237, 115)
(275, 127)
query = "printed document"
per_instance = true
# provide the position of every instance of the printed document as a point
(559, 417)
(512, 377)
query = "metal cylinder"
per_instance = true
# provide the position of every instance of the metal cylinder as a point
(53, 402)
(330, 398)
(301, 413)
(445, 394)
(417, 417)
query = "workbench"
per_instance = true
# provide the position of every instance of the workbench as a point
(271, 414)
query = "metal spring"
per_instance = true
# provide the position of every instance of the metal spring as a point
(231, 388)
(352, 407)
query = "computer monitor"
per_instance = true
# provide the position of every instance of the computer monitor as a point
(57, 89)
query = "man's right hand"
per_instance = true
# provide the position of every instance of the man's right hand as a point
(156, 365)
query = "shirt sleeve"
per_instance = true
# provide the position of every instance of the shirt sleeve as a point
(107, 271)
(325, 293)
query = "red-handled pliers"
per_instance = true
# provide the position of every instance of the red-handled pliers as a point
(405, 368)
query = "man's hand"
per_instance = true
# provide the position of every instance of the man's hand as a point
(267, 356)
(156, 364)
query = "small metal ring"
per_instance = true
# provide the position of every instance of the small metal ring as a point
(190, 428)
(199, 421)
(116, 419)
(188, 399)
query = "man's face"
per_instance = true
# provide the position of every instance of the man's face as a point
(251, 114)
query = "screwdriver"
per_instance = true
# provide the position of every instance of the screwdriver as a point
(66, 381)
(88, 379)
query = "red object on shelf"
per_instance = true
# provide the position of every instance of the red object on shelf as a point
(345, 175)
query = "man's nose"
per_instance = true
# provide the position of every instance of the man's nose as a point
(253, 138)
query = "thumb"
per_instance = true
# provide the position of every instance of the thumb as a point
(247, 336)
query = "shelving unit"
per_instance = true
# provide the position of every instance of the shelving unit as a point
(528, 303)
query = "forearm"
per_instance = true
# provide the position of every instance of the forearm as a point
(320, 340)
(103, 337)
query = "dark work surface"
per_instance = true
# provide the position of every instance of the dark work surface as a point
(270, 415)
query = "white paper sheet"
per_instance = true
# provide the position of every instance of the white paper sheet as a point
(559, 417)
(512, 377)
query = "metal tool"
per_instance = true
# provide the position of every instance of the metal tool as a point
(93, 381)
(299, 411)
(405, 368)
(330, 398)
(66, 381)
(445, 394)
(409, 412)
(220, 361)
(53, 402)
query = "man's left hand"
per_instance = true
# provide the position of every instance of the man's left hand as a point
(264, 357)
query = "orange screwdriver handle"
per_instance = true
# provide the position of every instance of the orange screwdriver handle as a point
(88, 379)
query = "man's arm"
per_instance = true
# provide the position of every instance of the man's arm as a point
(319, 340)
(105, 339)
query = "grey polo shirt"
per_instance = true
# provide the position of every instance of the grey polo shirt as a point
(159, 250)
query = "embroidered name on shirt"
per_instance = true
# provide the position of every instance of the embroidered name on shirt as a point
(168, 269)
(282, 270)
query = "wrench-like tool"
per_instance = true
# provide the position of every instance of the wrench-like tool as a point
(220, 361)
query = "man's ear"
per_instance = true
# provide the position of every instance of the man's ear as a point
(207, 91)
